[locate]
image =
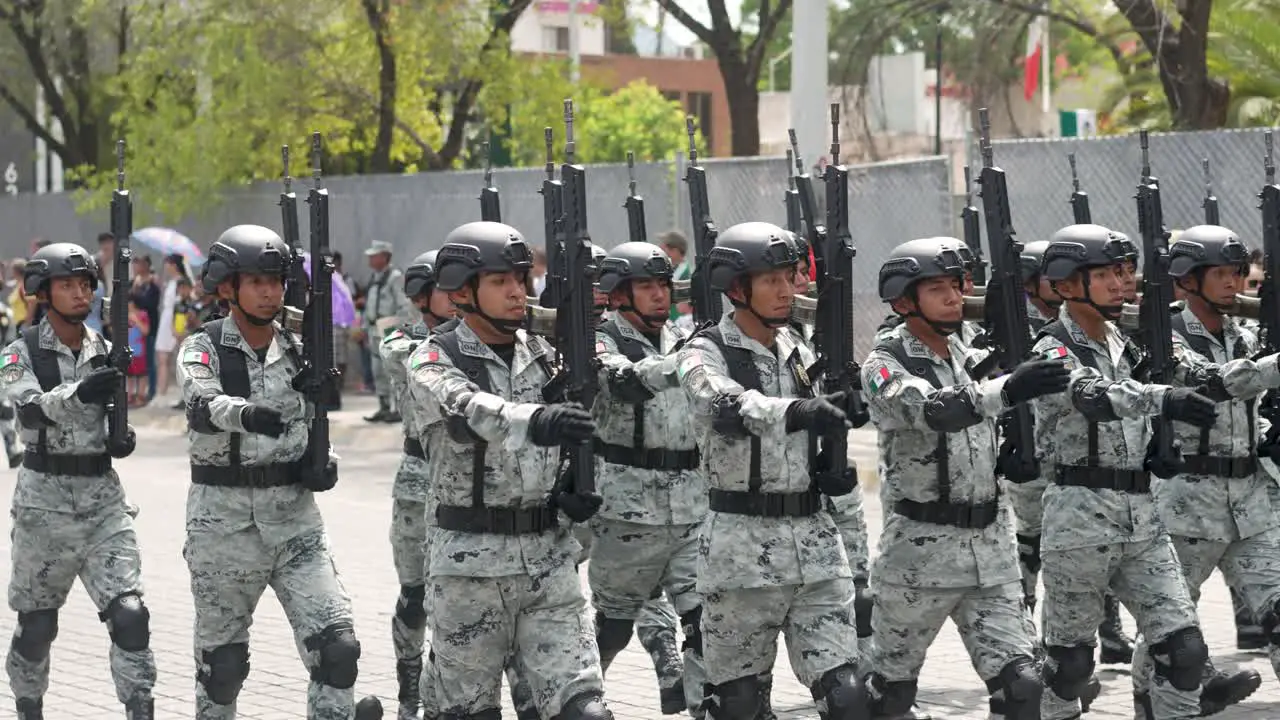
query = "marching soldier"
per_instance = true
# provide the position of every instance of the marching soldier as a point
(385, 308)
(501, 574)
(771, 558)
(1100, 529)
(946, 550)
(70, 515)
(252, 519)
(646, 530)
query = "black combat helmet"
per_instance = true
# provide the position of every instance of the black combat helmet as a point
(917, 260)
(58, 260)
(420, 276)
(1206, 246)
(967, 259)
(480, 247)
(633, 261)
(1031, 261)
(747, 248)
(1079, 247)
(245, 250)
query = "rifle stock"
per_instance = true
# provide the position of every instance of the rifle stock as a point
(122, 229)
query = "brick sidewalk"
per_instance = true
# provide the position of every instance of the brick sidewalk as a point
(157, 480)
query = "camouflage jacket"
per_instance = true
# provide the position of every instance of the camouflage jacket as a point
(1211, 507)
(517, 473)
(910, 414)
(385, 298)
(279, 513)
(742, 551)
(411, 477)
(1076, 517)
(650, 497)
(70, 427)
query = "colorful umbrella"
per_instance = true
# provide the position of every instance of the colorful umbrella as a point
(344, 308)
(168, 241)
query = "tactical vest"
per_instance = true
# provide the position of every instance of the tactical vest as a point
(639, 456)
(1202, 463)
(1092, 474)
(942, 511)
(44, 363)
(480, 518)
(233, 374)
(743, 371)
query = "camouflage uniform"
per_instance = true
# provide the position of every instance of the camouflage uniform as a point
(947, 548)
(384, 299)
(243, 537)
(492, 595)
(645, 533)
(1026, 500)
(1095, 539)
(70, 524)
(759, 575)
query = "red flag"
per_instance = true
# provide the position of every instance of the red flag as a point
(1033, 58)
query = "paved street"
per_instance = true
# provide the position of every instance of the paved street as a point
(356, 513)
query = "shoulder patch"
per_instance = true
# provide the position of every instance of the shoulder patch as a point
(420, 359)
(395, 335)
(199, 372)
(10, 359)
(198, 357)
(1056, 353)
(600, 347)
(879, 378)
(688, 360)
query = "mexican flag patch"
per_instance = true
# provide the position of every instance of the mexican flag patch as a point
(879, 378)
(196, 356)
(8, 360)
(1056, 353)
(423, 359)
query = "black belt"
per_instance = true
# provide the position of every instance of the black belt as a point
(497, 520)
(1103, 478)
(1227, 467)
(71, 465)
(413, 448)
(648, 458)
(971, 516)
(245, 476)
(762, 504)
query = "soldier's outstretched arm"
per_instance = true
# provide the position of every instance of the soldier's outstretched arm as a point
(209, 409)
(900, 400)
(36, 408)
(618, 375)
(1092, 394)
(1240, 379)
(444, 394)
(704, 375)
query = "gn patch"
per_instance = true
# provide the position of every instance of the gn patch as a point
(196, 371)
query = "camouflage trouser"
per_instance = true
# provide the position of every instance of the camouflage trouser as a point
(850, 519)
(49, 551)
(381, 380)
(632, 564)
(656, 615)
(1027, 500)
(1148, 580)
(740, 630)
(229, 573)
(408, 536)
(478, 625)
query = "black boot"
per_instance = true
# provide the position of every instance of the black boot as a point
(668, 666)
(1249, 634)
(1091, 692)
(766, 697)
(384, 409)
(1117, 648)
(30, 708)
(369, 708)
(140, 708)
(408, 672)
(1221, 689)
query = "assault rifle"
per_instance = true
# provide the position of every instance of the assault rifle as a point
(119, 443)
(317, 329)
(1080, 213)
(1211, 216)
(973, 232)
(634, 204)
(552, 200)
(1007, 331)
(570, 292)
(707, 307)
(1269, 291)
(815, 233)
(490, 210)
(295, 293)
(1164, 459)
(791, 198)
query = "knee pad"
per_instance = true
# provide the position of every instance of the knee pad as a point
(1020, 687)
(6, 411)
(1029, 552)
(128, 622)
(844, 694)
(339, 652)
(1180, 658)
(587, 705)
(223, 672)
(736, 699)
(890, 698)
(409, 606)
(612, 635)
(36, 633)
(1074, 667)
(863, 602)
(691, 624)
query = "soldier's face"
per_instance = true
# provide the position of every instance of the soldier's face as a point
(71, 296)
(259, 295)
(1106, 285)
(941, 299)
(501, 295)
(1129, 278)
(802, 277)
(773, 291)
(1047, 293)
(1254, 281)
(1221, 283)
(650, 296)
(437, 303)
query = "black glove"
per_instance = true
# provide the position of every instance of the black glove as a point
(1190, 407)
(817, 414)
(120, 356)
(262, 421)
(1036, 378)
(726, 416)
(561, 424)
(326, 386)
(1269, 445)
(627, 387)
(855, 409)
(1214, 389)
(126, 446)
(99, 386)
(321, 481)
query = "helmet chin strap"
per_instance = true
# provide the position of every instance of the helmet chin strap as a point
(76, 319)
(1110, 313)
(506, 327)
(653, 321)
(1218, 308)
(769, 322)
(945, 328)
